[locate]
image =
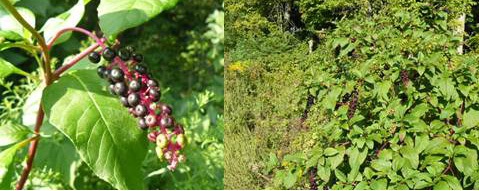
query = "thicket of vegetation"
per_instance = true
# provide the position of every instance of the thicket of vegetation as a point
(351, 94)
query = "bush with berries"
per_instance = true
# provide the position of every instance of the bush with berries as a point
(104, 102)
(395, 88)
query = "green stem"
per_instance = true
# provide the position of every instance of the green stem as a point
(27, 47)
(41, 41)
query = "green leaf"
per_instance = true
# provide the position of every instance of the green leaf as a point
(67, 19)
(330, 151)
(420, 143)
(340, 42)
(382, 89)
(465, 160)
(340, 175)
(101, 129)
(6, 68)
(9, 23)
(117, 16)
(336, 160)
(356, 158)
(441, 185)
(10, 35)
(453, 182)
(12, 133)
(332, 97)
(379, 184)
(470, 118)
(6, 165)
(381, 165)
(273, 162)
(289, 180)
(411, 156)
(324, 173)
(446, 87)
(362, 186)
(58, 156)
(398, 163)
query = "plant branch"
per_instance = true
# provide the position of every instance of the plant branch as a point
(76, 29)
(41, 41)
(75, 60)
(32, 150)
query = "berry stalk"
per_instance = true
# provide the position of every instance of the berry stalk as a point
(137, 91)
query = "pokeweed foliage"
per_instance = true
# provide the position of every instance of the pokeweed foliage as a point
(84, 129)
(395, 105)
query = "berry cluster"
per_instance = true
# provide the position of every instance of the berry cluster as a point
(353, 104)
(130, 80)
(313, 184)
(309, 103)
(405, 77)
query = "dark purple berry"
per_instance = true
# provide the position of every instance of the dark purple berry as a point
(120, 89)
(135, 85)
(165, 109)
(166, 121)
(152, 83)
(140, 110)
(94, 57)
(142, 123)
(154, 94)
(130, 49)
(124, 101)
(137, 57)
(124, 54)
(150, 120)
(106, 74)
(101, 71)
(140, 69)
(109, 54)
(133, 99)
(117, 74)
(111, 89)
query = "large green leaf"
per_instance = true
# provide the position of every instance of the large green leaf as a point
(6, 68)
(67, 19)
(117, 16)
(58, 155)
(101, 129)
(471, 118)
(9, 23)
(6, 165)
(12, 133)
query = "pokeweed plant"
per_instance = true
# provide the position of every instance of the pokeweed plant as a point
(75, 99)
(396, 106)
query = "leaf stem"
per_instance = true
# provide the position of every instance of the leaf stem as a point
(32, 150)
(77, 58)
(76, 29)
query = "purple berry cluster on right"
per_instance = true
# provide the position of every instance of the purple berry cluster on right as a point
(130, 80)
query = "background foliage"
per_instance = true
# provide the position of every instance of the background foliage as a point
(183, 50)
(291, 124)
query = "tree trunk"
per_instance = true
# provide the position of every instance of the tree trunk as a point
(459, 30)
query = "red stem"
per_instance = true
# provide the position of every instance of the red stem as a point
(75, 60)
(31, 151)
(76, 29)
(40, 115)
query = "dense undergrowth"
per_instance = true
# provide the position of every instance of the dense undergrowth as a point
(385, 101)
(183, 49)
